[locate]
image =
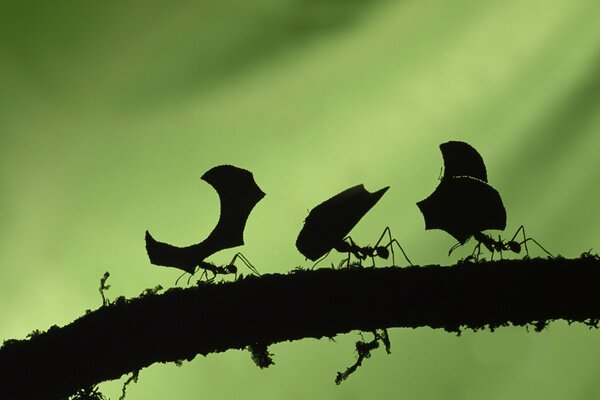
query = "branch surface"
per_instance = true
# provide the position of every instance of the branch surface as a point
(128, 335)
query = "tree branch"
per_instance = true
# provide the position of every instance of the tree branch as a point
(128, 335)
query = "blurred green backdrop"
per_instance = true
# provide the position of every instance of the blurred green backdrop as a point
(111, 111)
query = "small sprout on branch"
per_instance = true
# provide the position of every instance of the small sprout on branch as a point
(133, 378)
(363, 349)
(103, 287)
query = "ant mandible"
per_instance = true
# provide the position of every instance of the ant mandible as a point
(347, 245)
(500, 245)
(226, 269)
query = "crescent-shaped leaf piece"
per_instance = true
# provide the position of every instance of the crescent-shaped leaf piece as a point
(238, 194)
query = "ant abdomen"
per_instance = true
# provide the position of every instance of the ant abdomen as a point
(382, 252)
(514, 246)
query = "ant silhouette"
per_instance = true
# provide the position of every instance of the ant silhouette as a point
(347, 245)
(500, 245)
(227, 269)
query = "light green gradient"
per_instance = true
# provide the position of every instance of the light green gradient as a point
(110, 112)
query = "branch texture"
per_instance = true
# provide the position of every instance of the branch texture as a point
(128, 335)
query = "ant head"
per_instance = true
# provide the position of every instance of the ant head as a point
(383, 252)
(514, 246)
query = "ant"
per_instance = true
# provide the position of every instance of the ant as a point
(347, 245)
(500, 245)
(226, 269)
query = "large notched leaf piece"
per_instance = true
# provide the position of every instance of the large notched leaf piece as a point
(238, 194)
(461, 159)
(330, 222)
(463, 206)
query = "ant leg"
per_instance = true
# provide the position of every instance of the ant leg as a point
(211, 280)
(499, 248)
(201, 276)
(526, 239)
(391, 245)
(249, 264)
(401, 249)
(476, 251)
(348, 258)
(538, 244)
(479, 251)
(245, 261)
(354, 249)
(235, 257)
(386, 230)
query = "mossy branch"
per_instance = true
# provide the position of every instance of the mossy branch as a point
(128, 335)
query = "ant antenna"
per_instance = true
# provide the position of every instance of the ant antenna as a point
(457, 245)
(320, 259)
(190, 277)
(180, 276)
(188, 281)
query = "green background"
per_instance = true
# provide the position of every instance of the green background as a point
(111, 111)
